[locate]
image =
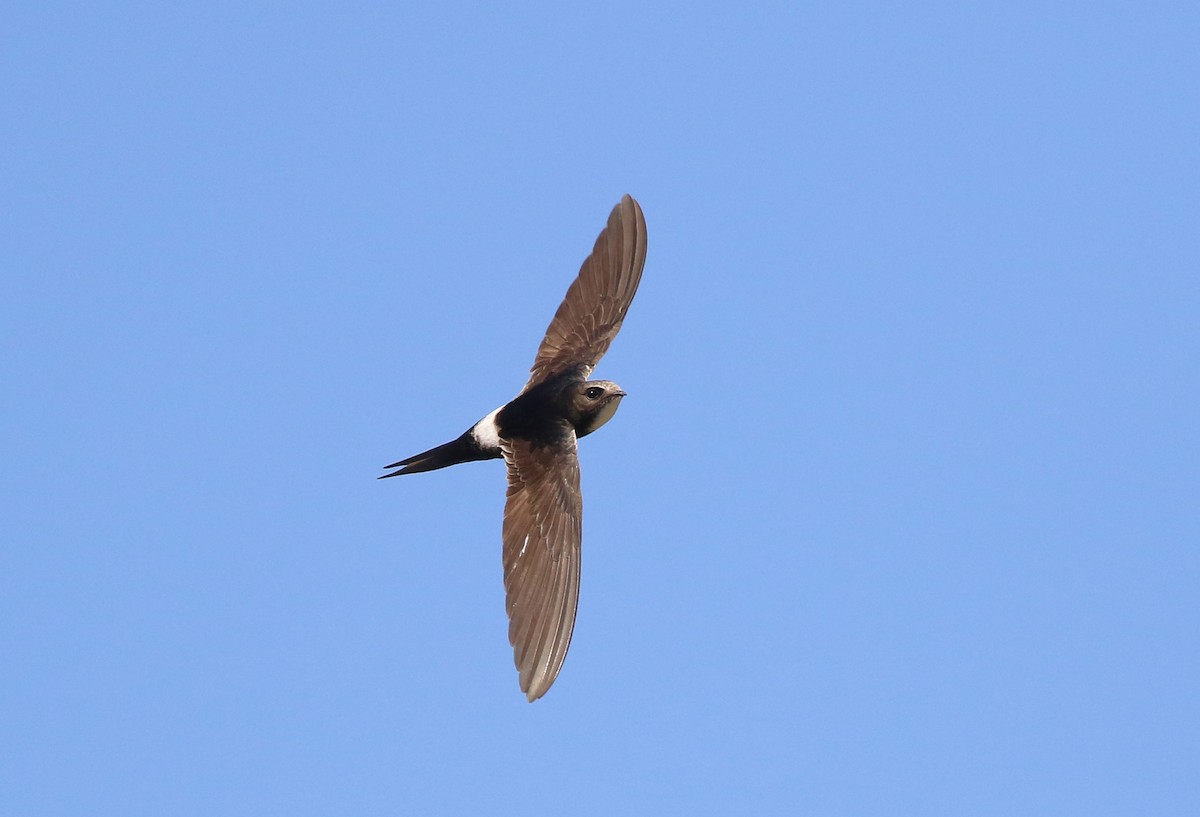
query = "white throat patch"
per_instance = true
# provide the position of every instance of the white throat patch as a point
(605, 414)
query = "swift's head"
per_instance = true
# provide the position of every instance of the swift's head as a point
(593, 404)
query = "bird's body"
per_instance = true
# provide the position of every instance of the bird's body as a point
(536, 433)
(541, 414)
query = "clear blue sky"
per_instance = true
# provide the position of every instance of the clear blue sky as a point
(901, 516)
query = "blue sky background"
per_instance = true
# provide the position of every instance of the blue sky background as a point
(901, 515)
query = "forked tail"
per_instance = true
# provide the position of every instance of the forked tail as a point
(463, 449)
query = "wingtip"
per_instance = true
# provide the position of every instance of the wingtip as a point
(629, 202)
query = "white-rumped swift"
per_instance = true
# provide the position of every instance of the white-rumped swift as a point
(536, 434)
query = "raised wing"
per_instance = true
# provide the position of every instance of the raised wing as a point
(542, 531)
(596, 302)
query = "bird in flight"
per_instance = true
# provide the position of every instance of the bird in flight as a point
(536, 434)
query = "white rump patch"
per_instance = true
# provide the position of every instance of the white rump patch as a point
(486, 433)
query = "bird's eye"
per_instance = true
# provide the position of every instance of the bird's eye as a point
(594, 392)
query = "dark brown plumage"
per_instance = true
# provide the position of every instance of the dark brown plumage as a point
(543, 516)
(536, 434)
(595, 304)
